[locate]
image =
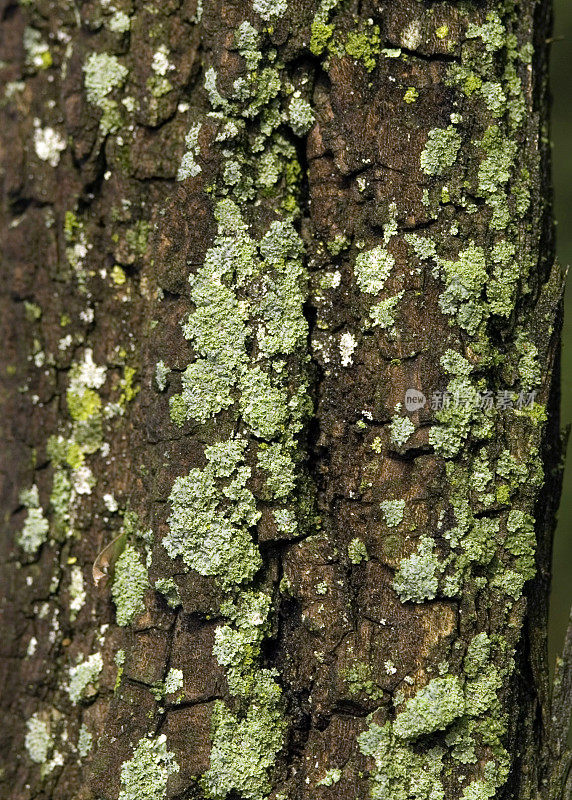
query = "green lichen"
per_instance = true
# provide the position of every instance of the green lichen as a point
(146, 773)
(393, 511)
(372, 269)
(300, 115)
(411, 95)
(382, 314)
(357, 551)
(129, 586)
(36, 527)
(331, 777)
(84, 742)
(169, 590)
(209, 533)
(400, 772)
(82, 675)
(417, 578)
(38, 741)
(433, 708)
(441, 150)
(401, 428)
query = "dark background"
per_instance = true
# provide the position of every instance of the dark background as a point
(562, 170)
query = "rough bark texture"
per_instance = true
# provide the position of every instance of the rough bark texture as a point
(233, 236)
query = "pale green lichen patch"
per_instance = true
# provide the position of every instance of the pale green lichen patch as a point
(400, 771)
(210, 533)
(401, 428)
(130, 583)
(83, 675)
(383, 314)
(161, 374)
(357, 551)
(103, 73)
(393, 511)
(372, 269)
(36, 527)
(146, 773)
(417, 578)
(38, 740)
(441, 150)
(331, 777)
(300, 115)
(433, 708)
(84, 742)
(189, 166)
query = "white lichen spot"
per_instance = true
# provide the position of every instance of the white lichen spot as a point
(82, 675)
(110, 503)
(83, 480)
(411, 36)
(390, 668)
(84, 741)
(173, 681)
(32, 645)
(86, 374)
(35, 530)
(161, 64)
(161, 372)
(270, 8)
(189, 167)
(77, 592)
(103, 73)
(347, 347)
(48, 144)
(38, 740)
(119, 22)
(401, 428)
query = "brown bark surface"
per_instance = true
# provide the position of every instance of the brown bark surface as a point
(403, 650)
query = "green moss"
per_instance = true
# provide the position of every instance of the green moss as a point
(82, 675)
(440, 151)
(357, 551)
(433, 708)
(393, 511)
(145, 775)
(129, 586)
(118, 275)
(417, 576)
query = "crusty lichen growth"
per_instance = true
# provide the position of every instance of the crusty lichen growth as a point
(130, 583)
(248, 333)
(82, 675)
(36, 527)
(146, 773)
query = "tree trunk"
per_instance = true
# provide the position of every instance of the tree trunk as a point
(280, 328)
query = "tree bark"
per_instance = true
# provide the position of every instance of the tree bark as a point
(280, 379)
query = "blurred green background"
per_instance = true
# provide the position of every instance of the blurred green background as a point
(562, 172)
